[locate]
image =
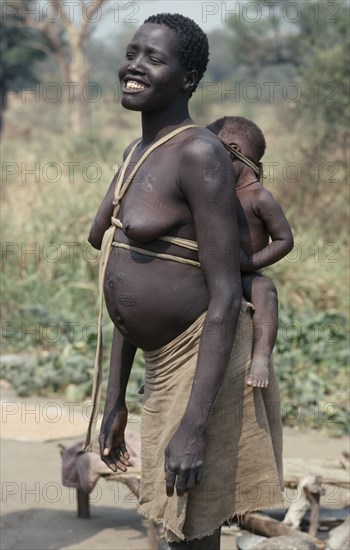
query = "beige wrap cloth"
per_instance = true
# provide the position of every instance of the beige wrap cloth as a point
(243, 463)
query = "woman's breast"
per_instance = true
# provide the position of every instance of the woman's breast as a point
(154, 206)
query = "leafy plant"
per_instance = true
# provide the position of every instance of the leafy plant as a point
(311, 359)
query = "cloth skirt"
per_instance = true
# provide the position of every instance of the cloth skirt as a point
(243, 461)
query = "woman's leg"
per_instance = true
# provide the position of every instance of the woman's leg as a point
(206, 543)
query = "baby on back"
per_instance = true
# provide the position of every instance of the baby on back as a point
(265, 236)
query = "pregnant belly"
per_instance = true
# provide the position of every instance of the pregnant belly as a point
(151, 301)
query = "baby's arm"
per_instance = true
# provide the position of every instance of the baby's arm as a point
(270, 212)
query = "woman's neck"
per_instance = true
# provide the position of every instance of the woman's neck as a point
(157, 124)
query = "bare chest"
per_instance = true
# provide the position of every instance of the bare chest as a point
(153, 204)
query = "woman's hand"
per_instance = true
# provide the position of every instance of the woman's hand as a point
(184, 459)
(112, 444)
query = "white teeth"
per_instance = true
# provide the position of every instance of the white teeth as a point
(133, 85)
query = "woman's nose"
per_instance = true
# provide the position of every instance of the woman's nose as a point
(136, 65)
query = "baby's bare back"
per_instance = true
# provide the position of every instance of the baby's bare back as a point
(265, 234)
(254, 235)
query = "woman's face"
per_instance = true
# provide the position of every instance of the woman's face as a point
(151, 74)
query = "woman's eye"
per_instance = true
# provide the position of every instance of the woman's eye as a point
(154, 60)
(129, 55)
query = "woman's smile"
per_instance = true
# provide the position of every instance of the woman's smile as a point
(131, 84)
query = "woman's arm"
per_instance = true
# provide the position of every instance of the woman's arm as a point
(112, 443)
(206, 181)
(102, 219)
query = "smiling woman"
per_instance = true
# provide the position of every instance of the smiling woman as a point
(151, 67)
(169, 242)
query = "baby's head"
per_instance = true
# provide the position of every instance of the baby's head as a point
(242, 134)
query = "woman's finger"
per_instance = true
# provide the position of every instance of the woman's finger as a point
(170, 483)
(124, 451)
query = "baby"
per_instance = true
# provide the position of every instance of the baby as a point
(260, 218)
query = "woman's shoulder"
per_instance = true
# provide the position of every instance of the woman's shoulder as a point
(200, 142)
(129, 147)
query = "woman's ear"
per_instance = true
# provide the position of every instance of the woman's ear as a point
(190, 80)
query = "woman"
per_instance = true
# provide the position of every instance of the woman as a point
(170, 268)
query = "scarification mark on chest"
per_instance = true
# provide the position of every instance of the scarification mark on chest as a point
(144, 183)
(120, 276)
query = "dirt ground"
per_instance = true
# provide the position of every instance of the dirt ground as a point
(39, 513)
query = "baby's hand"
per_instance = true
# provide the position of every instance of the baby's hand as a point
(244, 261)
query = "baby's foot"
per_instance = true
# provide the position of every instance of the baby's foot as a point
(259, 373)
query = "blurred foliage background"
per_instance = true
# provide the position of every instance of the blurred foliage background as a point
(63, 134)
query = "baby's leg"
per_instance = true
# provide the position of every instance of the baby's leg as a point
(262, 293)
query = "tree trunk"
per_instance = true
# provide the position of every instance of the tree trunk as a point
(79, 116)
(72, 58)
(3, 103)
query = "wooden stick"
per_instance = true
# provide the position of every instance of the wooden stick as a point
(83, 504)
(314, 499)
(264, 525)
